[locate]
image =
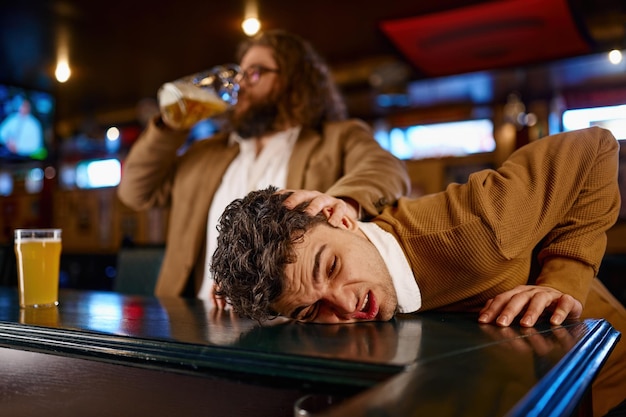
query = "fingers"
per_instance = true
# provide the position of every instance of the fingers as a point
(563, 306)
(537, 304)
(505, 307)
(533, 301)
(298, 197)
(218, 301)
(567, 307)
(500, 309)
(333, 208)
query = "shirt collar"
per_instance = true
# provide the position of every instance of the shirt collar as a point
(407, 291)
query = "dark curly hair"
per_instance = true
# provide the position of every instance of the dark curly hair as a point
(255, 243)
(309, 95)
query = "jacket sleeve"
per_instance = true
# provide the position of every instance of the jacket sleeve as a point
(372, 176)
(566, 197)
(148, 170)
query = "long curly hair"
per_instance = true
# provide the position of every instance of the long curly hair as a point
(256, 241)
(309, 95)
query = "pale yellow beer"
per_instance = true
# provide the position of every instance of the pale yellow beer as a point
(196, 97)
(182, 112)
(38, 254)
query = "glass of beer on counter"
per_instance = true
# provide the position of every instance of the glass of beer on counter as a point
(38, 255)
(188, 100)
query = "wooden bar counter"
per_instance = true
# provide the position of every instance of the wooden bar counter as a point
(106, 354)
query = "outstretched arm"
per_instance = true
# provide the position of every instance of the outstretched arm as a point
(570, 253)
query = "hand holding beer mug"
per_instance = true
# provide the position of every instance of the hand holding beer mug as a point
(190, 99)
(38, 253)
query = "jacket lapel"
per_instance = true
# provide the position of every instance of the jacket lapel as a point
(304, 146)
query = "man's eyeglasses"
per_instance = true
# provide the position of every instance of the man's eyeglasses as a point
(254, 73)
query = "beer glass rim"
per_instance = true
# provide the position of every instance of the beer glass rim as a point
(37, 233)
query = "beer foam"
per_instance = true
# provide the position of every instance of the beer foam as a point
(37, 240)
(170, 93)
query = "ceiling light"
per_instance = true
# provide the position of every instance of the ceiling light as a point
(251, 26)
(62, 72)
(615, 56)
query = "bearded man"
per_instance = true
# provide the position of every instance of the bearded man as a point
(289, 128)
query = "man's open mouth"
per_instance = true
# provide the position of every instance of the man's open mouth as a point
(369, 308)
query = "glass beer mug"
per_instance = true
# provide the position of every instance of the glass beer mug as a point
(195, 97)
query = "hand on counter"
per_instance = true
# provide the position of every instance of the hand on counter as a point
(535, 300)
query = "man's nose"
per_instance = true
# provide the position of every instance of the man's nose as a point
(340, 302)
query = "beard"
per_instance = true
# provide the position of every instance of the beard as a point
(257, 120)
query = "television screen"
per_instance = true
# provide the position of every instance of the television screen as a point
(458, 138)
(90, 173)
(26, 123)
(98, 173)
(612, 118)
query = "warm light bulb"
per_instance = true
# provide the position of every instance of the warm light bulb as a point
(113, 133)
(251, 26)
(62, 72)
(615, 56)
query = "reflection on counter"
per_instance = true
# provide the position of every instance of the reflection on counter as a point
(396, 342)
(45, 316)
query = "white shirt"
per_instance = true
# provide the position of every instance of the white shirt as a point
(409, 295)
(247, 172)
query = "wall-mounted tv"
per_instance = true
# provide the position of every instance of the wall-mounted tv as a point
(612, 118)
(437, 140)
(26, 123)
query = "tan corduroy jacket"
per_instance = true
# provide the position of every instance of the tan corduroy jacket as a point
(344, 161)
(551, 201)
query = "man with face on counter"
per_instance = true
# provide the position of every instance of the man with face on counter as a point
(522, 241)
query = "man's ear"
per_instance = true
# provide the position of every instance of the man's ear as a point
(345, 222)
(349, 223)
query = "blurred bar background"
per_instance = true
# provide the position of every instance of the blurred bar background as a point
(451, 87)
